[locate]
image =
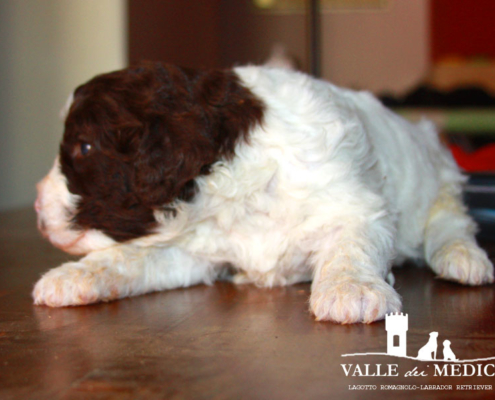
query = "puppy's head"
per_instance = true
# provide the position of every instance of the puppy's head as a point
(134, 142)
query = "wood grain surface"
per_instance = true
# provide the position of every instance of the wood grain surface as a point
(220, 341)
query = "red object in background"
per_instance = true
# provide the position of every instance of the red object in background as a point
(478, 161)
(462, 28)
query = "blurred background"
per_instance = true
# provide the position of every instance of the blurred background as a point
(423, 57)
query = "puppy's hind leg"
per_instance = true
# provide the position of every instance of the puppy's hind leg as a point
(450, 245)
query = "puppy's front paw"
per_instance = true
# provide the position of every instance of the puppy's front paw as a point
(348, 299)
(74, 284)
(463, 262)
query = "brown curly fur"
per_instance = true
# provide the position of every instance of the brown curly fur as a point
(153, 129)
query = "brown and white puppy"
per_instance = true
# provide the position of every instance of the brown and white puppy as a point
(165, 175)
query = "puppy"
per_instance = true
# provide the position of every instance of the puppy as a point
(429, 349)
(166, 175)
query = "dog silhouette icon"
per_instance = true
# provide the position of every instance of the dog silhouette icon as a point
(448, 354)
(429, 349)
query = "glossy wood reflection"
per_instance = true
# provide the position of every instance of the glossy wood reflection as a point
(215, 342)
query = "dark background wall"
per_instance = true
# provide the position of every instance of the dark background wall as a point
(184, 32)
(378, 49)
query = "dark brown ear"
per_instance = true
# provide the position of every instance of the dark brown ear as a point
(196, 118)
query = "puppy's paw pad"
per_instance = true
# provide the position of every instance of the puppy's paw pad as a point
(349, 300)
(69, 285)
(463, 262)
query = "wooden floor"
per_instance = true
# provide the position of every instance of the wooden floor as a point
(222, 341)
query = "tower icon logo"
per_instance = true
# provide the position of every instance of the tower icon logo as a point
(396, 325)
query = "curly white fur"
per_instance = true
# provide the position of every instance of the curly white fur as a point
(331, 187)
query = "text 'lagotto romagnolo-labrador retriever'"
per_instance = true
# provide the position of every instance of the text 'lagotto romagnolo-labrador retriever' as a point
(166, 175)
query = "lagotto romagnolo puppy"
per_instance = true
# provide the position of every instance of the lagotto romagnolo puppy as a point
(167, 175)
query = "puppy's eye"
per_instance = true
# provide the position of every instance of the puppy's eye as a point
(85, 148)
